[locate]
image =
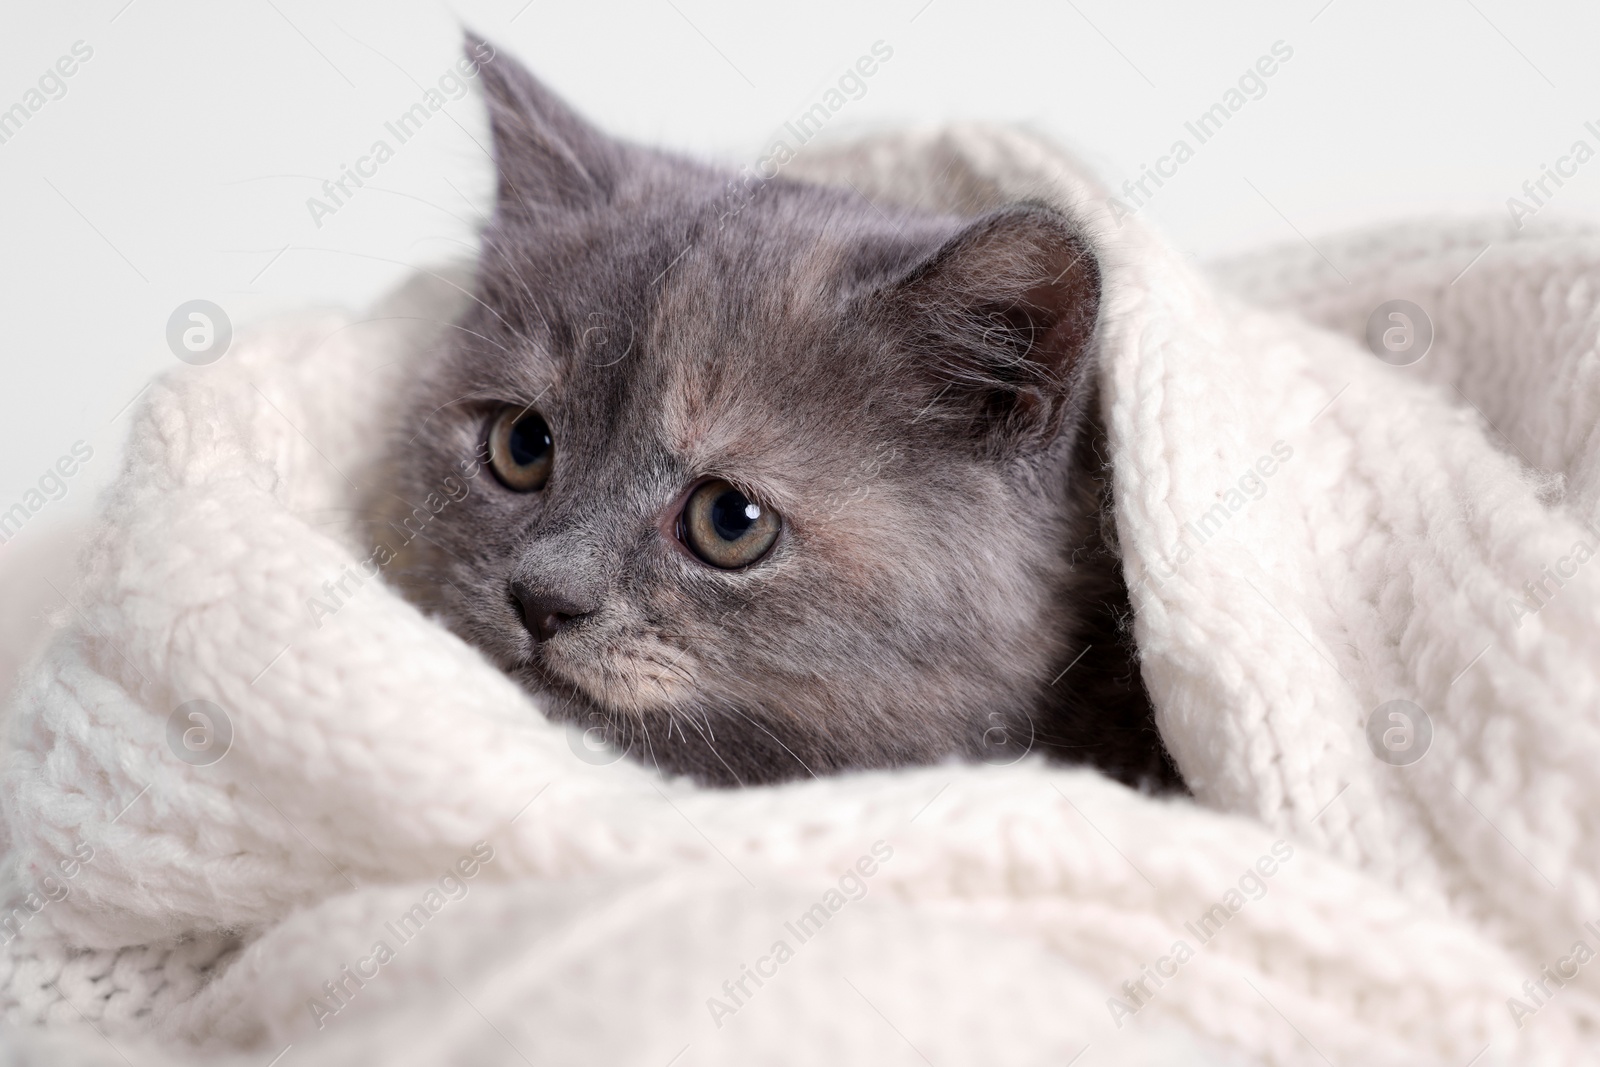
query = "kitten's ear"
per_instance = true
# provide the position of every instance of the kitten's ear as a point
(547, 156)
(1002, 317)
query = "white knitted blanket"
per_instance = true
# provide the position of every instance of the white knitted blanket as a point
(372, 848)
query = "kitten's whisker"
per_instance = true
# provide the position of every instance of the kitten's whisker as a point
(423, 270)
(445, 550)
(427, 203)
(370, 321)
(710, 744)
(532, 402)
(457, 326)
(532, 301)
(671, 665)
(735, 709)
(406, 578)
(649, 745)
(509, 261)
(441, 407)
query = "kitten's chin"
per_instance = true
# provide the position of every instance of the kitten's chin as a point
(635, 684)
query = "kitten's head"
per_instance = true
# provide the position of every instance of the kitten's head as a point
(774, 479)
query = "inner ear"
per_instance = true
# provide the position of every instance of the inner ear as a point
(1002, 317)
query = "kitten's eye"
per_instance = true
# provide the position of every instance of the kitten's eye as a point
(725, 528)
(520, 449)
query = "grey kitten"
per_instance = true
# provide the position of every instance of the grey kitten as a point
(776, 482)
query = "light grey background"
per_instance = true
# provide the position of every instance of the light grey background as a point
(178, 163)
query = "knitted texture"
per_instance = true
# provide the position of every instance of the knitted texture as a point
(231, 910)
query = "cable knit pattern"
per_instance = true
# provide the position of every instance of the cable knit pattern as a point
(230, 912)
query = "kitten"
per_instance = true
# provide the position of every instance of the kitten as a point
(776, 482)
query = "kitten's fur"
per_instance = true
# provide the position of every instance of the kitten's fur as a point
(912, 393)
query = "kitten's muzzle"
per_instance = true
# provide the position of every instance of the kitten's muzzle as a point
(544, 613)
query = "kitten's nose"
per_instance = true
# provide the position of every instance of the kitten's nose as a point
(544, 613)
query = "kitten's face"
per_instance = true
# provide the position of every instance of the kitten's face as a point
(773, 481)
